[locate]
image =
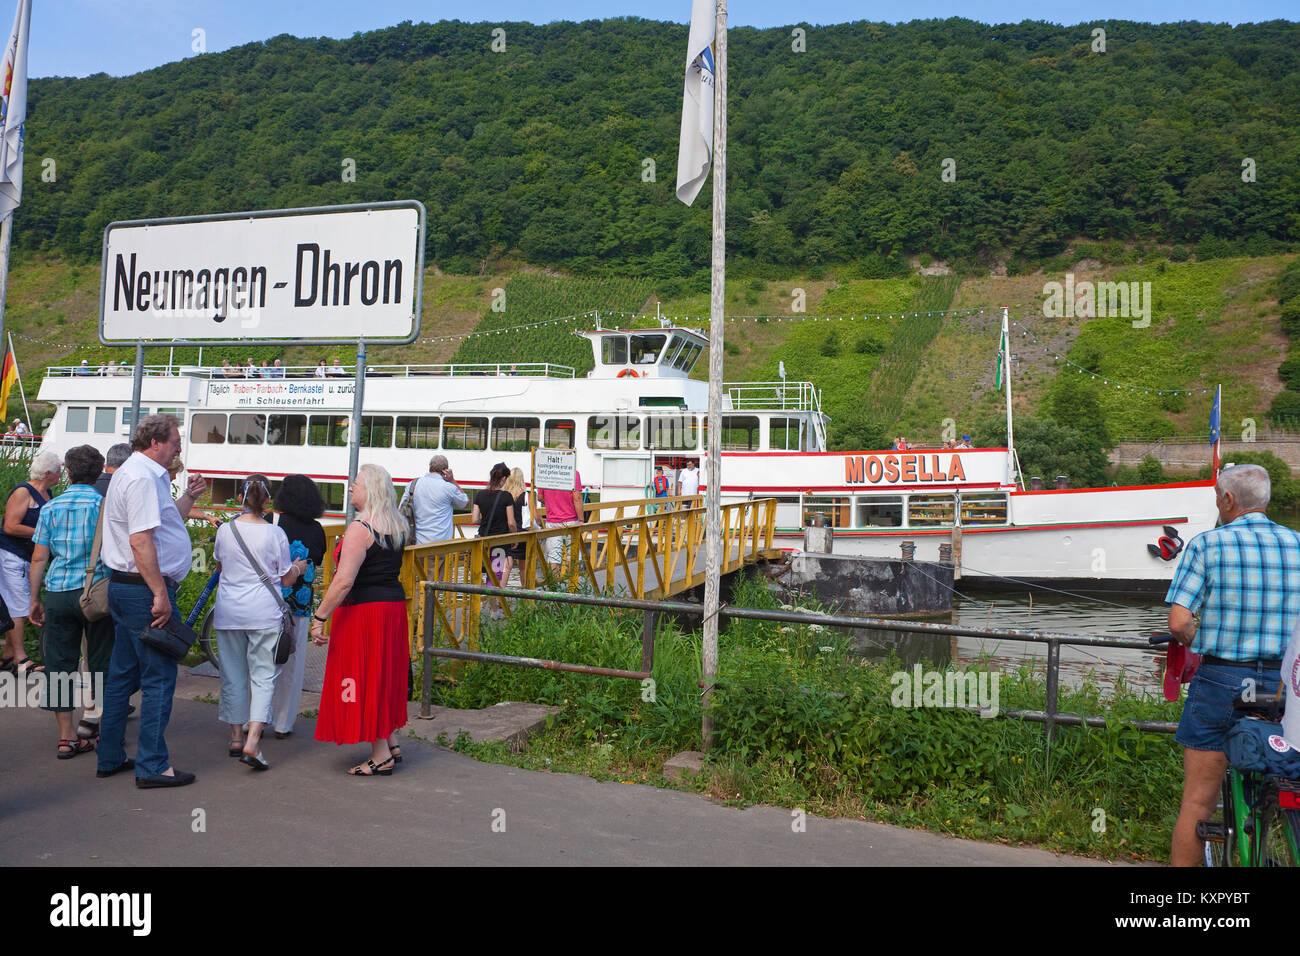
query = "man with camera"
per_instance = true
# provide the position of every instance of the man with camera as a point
(434, 497)
(147, 551)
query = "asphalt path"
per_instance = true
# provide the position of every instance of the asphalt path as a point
(438, 808)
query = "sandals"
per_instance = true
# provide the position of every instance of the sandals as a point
(88, 729)
(257, 762)
(74, 746)
(384, 769)
(396, 751)
(236, 749)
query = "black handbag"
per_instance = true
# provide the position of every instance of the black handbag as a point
(283, 643)
(172, 640)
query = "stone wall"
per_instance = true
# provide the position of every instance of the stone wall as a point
(1189, 455)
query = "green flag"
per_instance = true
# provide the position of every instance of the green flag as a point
(1002, 352)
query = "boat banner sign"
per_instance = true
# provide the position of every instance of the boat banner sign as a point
(554, 469)
(302, 275)
(313, 393)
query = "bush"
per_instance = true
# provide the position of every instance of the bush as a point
(1150, 471)
(868, 344)
(1179, 254)
(1286, 405)
(1286, 490)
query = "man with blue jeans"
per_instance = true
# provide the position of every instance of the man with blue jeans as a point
(1243, 578)
(147, 551)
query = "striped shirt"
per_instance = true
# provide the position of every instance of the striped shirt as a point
(67, 527)
(1243, 579)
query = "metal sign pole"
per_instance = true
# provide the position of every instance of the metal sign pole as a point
(354, 435)
(136, 386)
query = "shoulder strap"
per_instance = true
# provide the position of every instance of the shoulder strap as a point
(275, 592)
(94, 549)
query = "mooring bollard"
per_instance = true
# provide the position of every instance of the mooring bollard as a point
(909, 550)
(818, 535)
(945, 554)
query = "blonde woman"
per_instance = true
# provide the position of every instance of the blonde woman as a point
(363, 698)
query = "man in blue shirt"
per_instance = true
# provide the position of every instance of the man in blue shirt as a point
(1243, 579)
(434, 497)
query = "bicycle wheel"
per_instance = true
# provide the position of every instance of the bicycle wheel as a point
(1219, 832)
(1279, 843)
(208, 640)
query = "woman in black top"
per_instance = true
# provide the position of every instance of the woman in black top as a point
(298, 504)
(494, 513)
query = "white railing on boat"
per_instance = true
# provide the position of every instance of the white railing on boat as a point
(783, 396)
(529, 369)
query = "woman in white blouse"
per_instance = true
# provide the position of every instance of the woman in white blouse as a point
(247, 619)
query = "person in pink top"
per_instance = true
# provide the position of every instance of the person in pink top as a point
(563, 509)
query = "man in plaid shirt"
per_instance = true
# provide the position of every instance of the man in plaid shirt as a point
(1243, 579)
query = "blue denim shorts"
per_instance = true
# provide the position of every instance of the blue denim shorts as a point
(1208, 713)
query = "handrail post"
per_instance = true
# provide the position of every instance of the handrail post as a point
(1053, 686)
(426, 652)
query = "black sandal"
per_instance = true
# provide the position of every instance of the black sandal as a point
(88, 729)
(396, 751)
(383, 769)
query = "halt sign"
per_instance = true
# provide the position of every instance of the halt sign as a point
(554, 469)
(290, 275)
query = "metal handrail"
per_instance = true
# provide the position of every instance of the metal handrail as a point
(241, 372)
(1050, 716)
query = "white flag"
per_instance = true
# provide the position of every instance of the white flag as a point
(695, 151)
(1291, 678)
(13, 110)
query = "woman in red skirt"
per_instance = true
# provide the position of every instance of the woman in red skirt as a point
(363, 698)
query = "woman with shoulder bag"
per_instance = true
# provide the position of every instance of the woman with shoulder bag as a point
(250, 552)
(363, 698)
(494, 513)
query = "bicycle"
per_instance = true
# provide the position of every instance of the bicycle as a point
(1257, 821)
(207, 638)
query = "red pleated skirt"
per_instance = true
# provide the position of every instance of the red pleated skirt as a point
(363, 697)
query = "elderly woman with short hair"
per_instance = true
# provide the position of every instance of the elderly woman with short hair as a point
(21, 511)
(64, 535)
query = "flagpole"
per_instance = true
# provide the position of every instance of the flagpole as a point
(1006, 376)
(6, 228)
(713, 496)
(27, 416)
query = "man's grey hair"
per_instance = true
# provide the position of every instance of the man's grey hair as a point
(154, 428)
(438, 463)
(1249, 484)
(45, 463)
(117, 455)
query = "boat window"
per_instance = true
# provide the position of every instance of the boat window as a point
(559, 433)
(672, 432)
(286, 429)
(418, 431)
(247, 430)
(467, 434)
(515, 434)
(984, 509)
(330, 431)
(674, 349)
(377, 431)
(78, 418)
(105, 419)
(126, 415)
(176, 413)
(879, 512)
(686, 359)
(332, 493)
(784, 435)
(613, 349)
(739, 433)
(926, 510)
(614, 431)
(207, 429)
(836, 508)
(646, 348)
(788, 512)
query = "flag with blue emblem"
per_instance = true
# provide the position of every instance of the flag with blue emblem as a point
(695, 150)
(13, 110)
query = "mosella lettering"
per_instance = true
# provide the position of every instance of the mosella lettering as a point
(872, 469)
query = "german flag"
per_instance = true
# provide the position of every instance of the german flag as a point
(8, 376)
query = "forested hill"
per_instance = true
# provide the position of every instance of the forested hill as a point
(836, 154)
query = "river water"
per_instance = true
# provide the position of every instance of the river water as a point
(1127, 617)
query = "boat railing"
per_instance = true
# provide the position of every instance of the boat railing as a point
(772, 396)
(522, 369)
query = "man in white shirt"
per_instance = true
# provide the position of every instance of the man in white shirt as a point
(688, 482)
(147, 551)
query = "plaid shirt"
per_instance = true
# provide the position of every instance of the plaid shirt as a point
(67, 527)
(1244, 580)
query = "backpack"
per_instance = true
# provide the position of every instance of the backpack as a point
(1258, 745)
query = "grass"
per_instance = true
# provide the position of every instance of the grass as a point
(802, 723)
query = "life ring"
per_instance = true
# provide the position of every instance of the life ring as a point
(629, 371)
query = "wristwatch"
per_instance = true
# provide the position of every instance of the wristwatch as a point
(320, 620)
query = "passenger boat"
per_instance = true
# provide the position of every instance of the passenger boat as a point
(636, 409)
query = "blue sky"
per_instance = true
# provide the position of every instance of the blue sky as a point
(80, 37)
